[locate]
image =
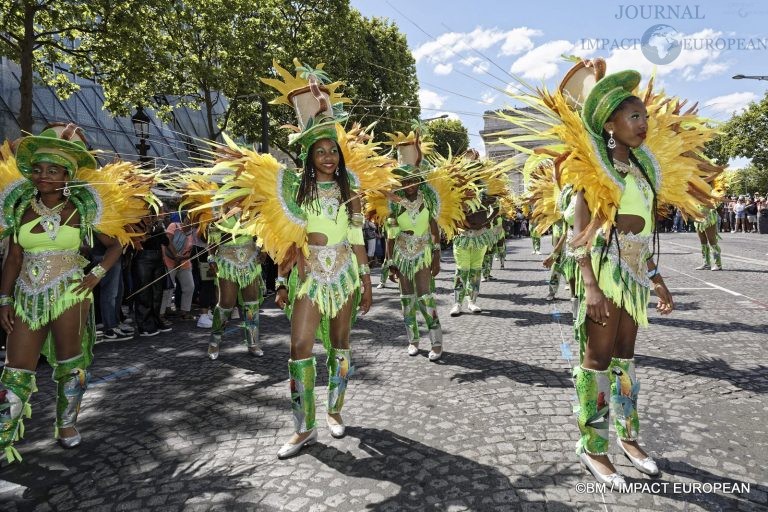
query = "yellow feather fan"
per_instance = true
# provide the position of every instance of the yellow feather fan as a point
(124, 194)
(197, 199)
(361, 157)
(263, 190)
(543, 193)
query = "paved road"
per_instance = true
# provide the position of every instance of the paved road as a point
(488, 428)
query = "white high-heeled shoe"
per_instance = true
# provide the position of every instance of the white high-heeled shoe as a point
(614, 480)
(338, 430)
(434, 356)
(413, 349)
(288, 450)
(646, 465)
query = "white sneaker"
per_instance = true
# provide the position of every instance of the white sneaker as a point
(474, 308)
(381, 285)
(456, 309)
(413, 349)
(235, 314)
(205, 321)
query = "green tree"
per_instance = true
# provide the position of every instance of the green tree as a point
(370, 55)
(53, 40)
(744, 135)
(749, 180)
(448, 133)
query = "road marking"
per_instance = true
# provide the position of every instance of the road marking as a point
(733, 256)
(707, 288)
(718, 287)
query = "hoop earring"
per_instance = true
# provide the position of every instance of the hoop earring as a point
(611, 141)
(67, 192)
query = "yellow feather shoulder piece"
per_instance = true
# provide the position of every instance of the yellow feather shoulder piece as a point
(197, 200)
(676, 140)
(123, 194)
(370, 170)
(265, 191)
(542, 193)
(449, 200)
(10, 181)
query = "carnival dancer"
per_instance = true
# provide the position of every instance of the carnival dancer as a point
(311, 224)
(472, 241)
(413, 236)
(54, 199)
(496, 248)
(707, 230)
(469, 248)
(234, 257)
(535, 238)
(624, 167)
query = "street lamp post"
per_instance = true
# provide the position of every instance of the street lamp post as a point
(140, 122)
(750, 77)
(444, 116)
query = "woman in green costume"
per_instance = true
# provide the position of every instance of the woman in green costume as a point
(234, 258)
(413, 249)
(45, 297)
(616, 274)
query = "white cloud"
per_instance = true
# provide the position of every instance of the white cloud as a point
(430, 99)
(696, 61)
(443, 69)
(487, 98)
(542, 62)
(481, 68)
(452, 45)
(730, 103)
(518, 40)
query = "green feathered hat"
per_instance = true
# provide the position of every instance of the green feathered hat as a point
(605, 96)
(59, 144)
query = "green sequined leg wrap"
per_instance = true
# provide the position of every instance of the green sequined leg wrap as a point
(302, 373)
(16, 386)
(251, 324)
(487, 263)
(428, 308)
(554, 282)
(624, 391)
(593, 388)
(460, 285)
(705, 254)
(716, 255)
(220, 318)
(408, 303)
(72, 379)
(339, 371)
(536, 243)
(501, 253)
(474, 285)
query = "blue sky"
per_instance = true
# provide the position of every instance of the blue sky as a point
(526, 39)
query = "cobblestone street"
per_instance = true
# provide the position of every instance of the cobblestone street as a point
(488, 427)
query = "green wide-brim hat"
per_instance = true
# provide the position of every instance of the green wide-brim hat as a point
(606, 95)
(48, 147)
(321, 127)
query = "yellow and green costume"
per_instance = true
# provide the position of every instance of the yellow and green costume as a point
(669, 169)
(266, 194)
(106, 200)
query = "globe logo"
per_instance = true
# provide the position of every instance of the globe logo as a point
(661, 44)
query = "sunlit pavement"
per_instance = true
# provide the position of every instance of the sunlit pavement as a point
(489, 427)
